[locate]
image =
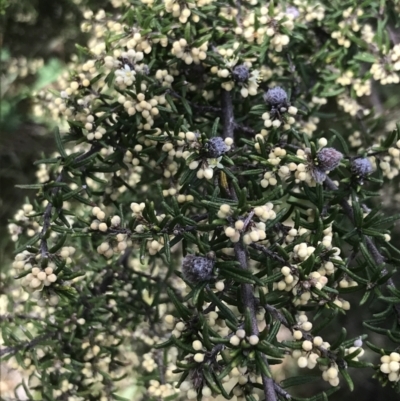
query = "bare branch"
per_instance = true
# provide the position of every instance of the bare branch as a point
(227, 114)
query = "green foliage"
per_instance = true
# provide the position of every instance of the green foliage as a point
(176, 147)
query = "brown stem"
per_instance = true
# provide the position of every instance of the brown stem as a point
(247, 293)
(227, 114)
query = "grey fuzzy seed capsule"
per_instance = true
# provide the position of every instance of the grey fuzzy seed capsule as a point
(328, 159)
(196, 269)
(215, 147)
(240, 73)
(276, 96)
(361, 167)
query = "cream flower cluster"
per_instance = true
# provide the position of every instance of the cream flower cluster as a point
(390, 163)
(387, 69)
(390, 365)
(255, 231)
(248, 83)
(274, 27)
(38, 278)
(23, 223)
(361, 87)
(205, 167)
(314, 348)
(183, 9)
(351, 106)
(270, 26)
(306, 11)
(23, 67)
(349, 23)
(274, 120)
(237, 377)
(161, 391)
(189, 54)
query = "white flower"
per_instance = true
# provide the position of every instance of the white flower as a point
(212, 163)
(125, 75)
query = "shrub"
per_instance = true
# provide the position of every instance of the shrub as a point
(197, 206)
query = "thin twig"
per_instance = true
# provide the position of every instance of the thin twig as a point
(227, 114)
(26, 345)
(247, 293)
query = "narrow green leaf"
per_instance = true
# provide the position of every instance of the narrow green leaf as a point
(299, 380)
(59, 144)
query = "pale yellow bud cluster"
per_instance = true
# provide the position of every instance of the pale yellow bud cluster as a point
(276, 155)
(390, 365)
(349, 22)
(161, 391)
(21, 261)
(181, 198)
(23, 67)
(28, 226)
(389, 164)
(265, 212)
(228, 13)
(302, 251)
(142, 43)
(367, 33)
(42, 173)
(355, 139)
(308, 126)
(154, 246)
(178, 329)
(240, 336)
(147, 108)
(361, 88)
(270, 26)
(303, 323)
(220, 286)
(38, 278)
(164, 77)
(149, 362)
(224, 211)
(342, 304)
(255, 231)
(317, 280)
(331, 374)
(291, 235)
(99, 223)
(320, 101)
(327, 238)
(276, 123)
(310, 12)
(109, 249)
(308, 357)
(187, 388)
(351, 106)
(137, 208)
(386, 69)
(289, 281)
(269, 179)
(180, 10)
(347, 282)
(189, 54)
(66, 252)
